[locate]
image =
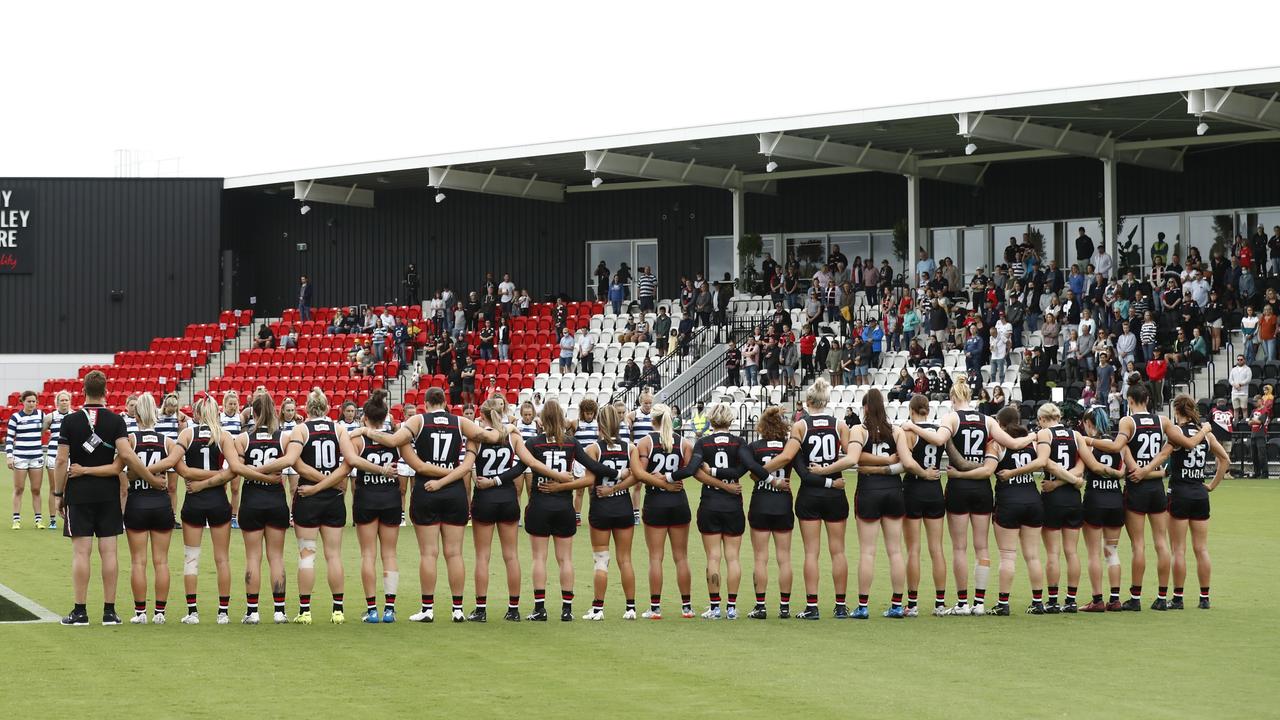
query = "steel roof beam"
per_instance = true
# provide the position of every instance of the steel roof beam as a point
(1235, 107)
(864, 157)
(490, 183)
(312, 191)
(1073, 142)
(648, 167)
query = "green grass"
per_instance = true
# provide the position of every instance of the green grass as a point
(1189, 664)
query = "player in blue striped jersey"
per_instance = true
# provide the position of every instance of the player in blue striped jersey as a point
(24, 454)
(232, 424)
(586, 431)
(53, 426)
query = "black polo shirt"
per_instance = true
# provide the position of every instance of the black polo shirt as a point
(75, 432)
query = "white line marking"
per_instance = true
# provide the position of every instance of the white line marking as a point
(43, 614)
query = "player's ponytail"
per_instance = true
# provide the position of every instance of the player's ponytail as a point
(960, 392)
(662, 422)
(818, 395)
(207, 413)
(317, 403)
(1185, 406)
(264, 412)
(607, 424)
(146, 411)
(492, 411)
(553, 422)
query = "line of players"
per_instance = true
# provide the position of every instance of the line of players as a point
(464, 469)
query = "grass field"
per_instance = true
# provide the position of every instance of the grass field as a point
(1222, 663)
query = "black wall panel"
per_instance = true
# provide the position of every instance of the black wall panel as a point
(157, 240)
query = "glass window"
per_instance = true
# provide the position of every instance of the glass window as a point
(945, 244)
(882, 249)
(853, 245)
(1207, 230)
(809, 253)
(977, 251)
(1148, 240)
(719, 257)
(612, 253)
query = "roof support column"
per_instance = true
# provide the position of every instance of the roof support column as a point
(914, 239)
(1110, 214)
(739, 220)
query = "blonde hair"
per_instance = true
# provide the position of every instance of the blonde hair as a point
(60, 395)
(1048, 414)
(264, 411)
(661, 415)
(818, 395)
(960, 392)
(553, 422)
(146, 411)
(721, 416)
(230, 395)
(607, 421)
(206, 412)
(317, 403)
(493, 412)
(165, 404)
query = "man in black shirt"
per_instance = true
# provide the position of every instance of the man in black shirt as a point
(1084, 246)
(732, 363)
(93, 506)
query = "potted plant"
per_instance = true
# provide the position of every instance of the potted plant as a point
(750, 246)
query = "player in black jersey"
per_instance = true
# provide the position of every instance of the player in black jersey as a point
(551, 455)
(662, 462)
(147, 512)
(1139, 438)
(720, 518)
(1189, 497)
(201, 453)
(878, 503)
(1058, 449)
(1103, 514)
(377, 510)
(925, 505)
(264, 516)
(494, 503)
(317, 449)
(819, 439)
(438, 504)
(969, 501)
(770, 513)
(610, 515)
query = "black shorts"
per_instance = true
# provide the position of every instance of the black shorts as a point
(144, 519)
(1100, 517)
(544, 521)
(1189, 508)
(96, 519)
(435, 508)
(667, 516)
(211, 515)
(923, 500)
(1146, 497)
(772, 522)
(253, 519)
(721, 522)
(1012, 516)
(614, 518)
(1058, 517)
(311, 512)
(390, 517)
(492, 512)
(879, 503)
(965, 497)
(833, 508)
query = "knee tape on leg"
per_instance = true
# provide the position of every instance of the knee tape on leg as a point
(981, 572)
(390, 581)
(601, 560)
(190, 560)
(1112, 554)
(305, 559)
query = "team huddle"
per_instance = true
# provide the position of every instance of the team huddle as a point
(294, 472)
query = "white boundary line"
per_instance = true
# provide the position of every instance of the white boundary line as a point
(43, 614)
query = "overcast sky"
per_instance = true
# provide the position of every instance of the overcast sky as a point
(235, 88)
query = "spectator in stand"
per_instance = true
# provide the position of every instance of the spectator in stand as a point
(750, 361)
(776, 291)
(723, 296)
(790, 360)
(921, 384)
(1249, 329)
(584, 350)
(1049, 334)
(430, 357)
(925, 267)
(1106, 374)
(304, 298)
(468, 376)
(488, 306)
(1126, 344)
(916, 351)
(506, 294)
(910, 323)
(684, 334)
(1157, 368)
(732, 363)
(454, 378)
(290, 341)
(567, 346)
(849, 362)
(821, 355)
(1240, 376)
(1258, 422)
(647, 289)
(617, 293)
(704, 306)
(771, 361)
(951, 274)
(560, 315)
(808, 342)
(1159, 250)
(338, 324)
(873, 336)
(459, 325)
(434, 311)
(503, 337)
(791, 289)
(938, 321)
(1102, 263)
(472, 307)
(999, 355)
(379, 342)
(649, 374)
(624, 277)
(631, 374)
(836, 257)
(973, 348)
(1147, 335)
(486, 341)
(1273, 251)
(1084, 246)
(602, 281)
(400, 334)
(523, 303)
(903, 388)
(662, 329)
(890, 332)
(266, 337)
(1267, 333)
